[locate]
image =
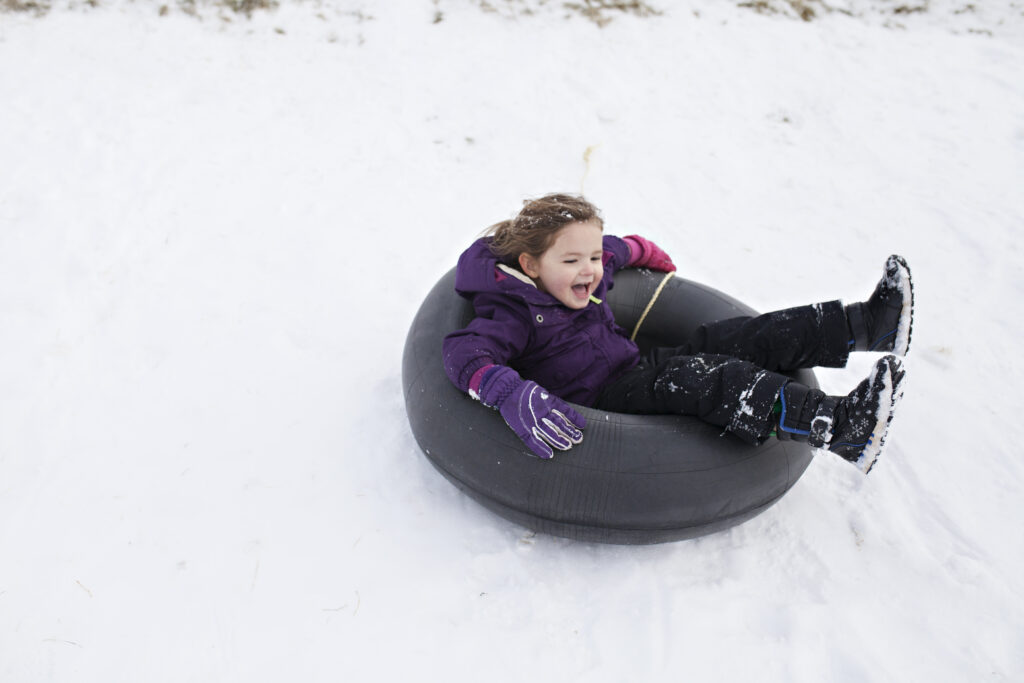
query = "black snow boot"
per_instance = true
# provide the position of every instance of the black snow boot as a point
(884, 322)
(852, 426)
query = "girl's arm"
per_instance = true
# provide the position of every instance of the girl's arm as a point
(475, 359)
(616, 253)
(497, 336)
(644, 253)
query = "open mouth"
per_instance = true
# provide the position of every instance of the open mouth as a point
(581, 291)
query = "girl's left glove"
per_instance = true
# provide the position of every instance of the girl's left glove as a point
(540, 419)
(644, 253)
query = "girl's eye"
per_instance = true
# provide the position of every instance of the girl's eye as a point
(572, 260)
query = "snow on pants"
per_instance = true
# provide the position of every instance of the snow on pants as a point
(729, 372)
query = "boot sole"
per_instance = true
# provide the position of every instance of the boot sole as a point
(905, 326)
(893, 377)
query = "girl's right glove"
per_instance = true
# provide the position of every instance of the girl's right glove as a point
(646, 254)
(540, 419)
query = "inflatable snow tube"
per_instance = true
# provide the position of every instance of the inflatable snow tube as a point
(635, 479)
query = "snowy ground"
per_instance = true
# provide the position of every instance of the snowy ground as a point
(214, 235)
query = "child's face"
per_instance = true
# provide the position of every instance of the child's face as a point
(571, 268)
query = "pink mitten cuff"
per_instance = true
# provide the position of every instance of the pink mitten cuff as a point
(477, 379)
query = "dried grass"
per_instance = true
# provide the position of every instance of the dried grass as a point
(597, 10)
(38, 8)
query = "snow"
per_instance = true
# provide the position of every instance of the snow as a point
(215, 231)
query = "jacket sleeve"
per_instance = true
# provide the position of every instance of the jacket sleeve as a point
(497, 336)
(616, 253)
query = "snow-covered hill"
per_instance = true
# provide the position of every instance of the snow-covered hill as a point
(214, 232)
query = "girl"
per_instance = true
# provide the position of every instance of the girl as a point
(543, 336)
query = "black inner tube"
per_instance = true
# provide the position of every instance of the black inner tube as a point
(635, 479)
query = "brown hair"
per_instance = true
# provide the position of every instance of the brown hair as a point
(533, 230)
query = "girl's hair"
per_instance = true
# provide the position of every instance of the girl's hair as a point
(534, 229)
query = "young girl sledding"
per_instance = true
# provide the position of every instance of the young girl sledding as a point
(543, 336)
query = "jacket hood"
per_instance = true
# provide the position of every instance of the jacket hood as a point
(480, 272)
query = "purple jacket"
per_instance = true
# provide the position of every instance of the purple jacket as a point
(571, 353)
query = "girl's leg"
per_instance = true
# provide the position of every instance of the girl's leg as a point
(721, 390)
(820, 335)
(754, 403)
(781, 341)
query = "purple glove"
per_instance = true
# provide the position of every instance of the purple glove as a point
(538, 418)
(647, 254)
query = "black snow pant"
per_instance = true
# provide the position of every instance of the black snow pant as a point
(729, 372)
